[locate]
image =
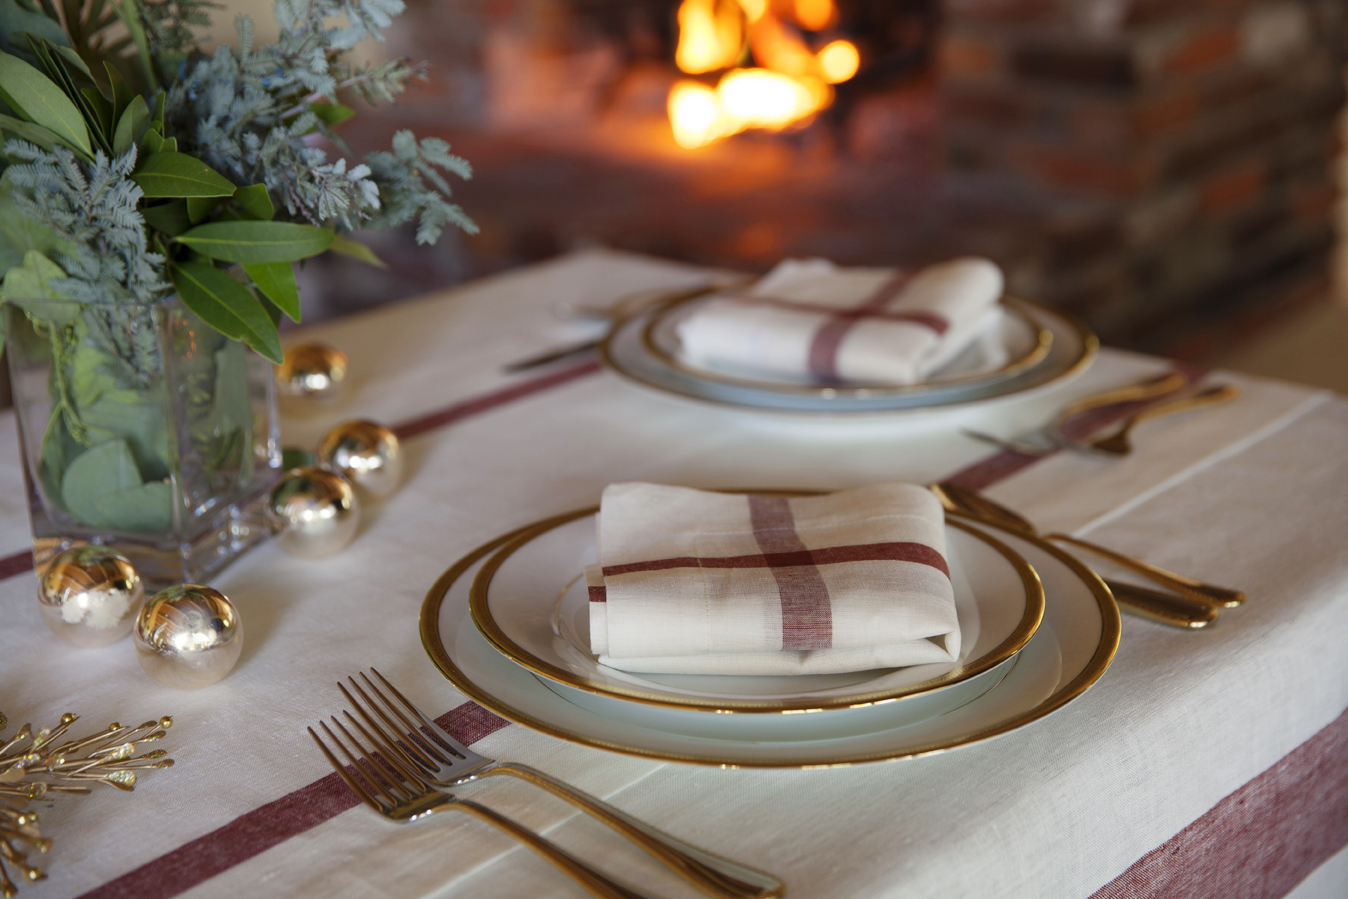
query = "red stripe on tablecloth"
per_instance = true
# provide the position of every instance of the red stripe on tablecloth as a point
(1001, 465)
(264, 827)
(16, 564)
(489, 401)
(807, 610)
(833, 555)
(1260, 841)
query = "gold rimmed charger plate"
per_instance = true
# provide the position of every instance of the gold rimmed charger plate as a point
(1036, 351)
(868, 690)
(1079, 606)
(1072, 350)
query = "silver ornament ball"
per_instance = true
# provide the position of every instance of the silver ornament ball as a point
(367, 453)
(89, 595)
(312, 512)
(188, 636)
(311, 371)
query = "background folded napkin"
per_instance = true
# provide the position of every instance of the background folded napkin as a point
(691, 582)
(813, 320)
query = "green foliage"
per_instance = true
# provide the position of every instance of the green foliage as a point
(257, 241)
(135, 166)
(35, 99)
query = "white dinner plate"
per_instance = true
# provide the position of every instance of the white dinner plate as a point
(530, 603)
(1072, 349)
(1013, 342)
(1068, 654)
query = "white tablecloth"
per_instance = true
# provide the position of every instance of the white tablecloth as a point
(1207, 763)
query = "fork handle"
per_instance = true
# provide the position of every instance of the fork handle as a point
(710, 873)
(598, 884)
(1221, 597)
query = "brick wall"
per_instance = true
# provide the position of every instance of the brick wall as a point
(1205, 129)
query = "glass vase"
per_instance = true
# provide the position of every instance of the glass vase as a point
(144, 429)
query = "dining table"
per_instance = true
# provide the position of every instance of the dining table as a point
(1202, 763)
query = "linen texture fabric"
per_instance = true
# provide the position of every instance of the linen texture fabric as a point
(812, 320)
(692, 582)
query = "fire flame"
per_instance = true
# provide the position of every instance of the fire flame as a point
(790, 84)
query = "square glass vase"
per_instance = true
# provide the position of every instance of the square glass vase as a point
(144, 429)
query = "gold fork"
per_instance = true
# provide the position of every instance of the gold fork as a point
(386, 781)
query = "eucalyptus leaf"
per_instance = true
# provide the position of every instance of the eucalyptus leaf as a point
(106, 468)
(172, 174)
(252, 242)
(272, 311)
(132, 126)
(171, 217)
(255, 201)
(147, 508)
(34, 97)
(226, 305)
(356, 250)
(32, 280)
(276, 280)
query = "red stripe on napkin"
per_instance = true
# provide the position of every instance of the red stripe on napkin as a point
(807, 612)
(1260, 841)
(823, 358)
(262, 828)
(833, 555)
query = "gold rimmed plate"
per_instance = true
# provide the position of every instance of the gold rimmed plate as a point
(1071, 348)
(1013, 342)
(1069, 652)
(529, 604)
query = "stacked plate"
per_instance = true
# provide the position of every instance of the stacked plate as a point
(1027, 349)
(508, 625)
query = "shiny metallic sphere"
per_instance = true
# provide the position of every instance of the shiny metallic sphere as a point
(188, 636)
(311, 370)
(89, 595)
(365, 452)
(312, 512)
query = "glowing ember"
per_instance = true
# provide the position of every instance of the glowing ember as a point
(790, 84)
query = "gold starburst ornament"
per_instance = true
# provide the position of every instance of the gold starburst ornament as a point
(41, 765)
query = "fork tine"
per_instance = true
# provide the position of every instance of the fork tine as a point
(385, 779)
(412, 753)
(337, 766)
(374, 786)
(415, 731)
(393, 758)
(436, 732)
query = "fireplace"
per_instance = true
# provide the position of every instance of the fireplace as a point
(1159, 168)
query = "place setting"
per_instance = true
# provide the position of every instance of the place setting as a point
(812, 337)
(1003, 629)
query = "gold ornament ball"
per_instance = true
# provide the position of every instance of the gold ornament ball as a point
(312, 512)
(312, 371)
(89, 595)
(365, 452)
(188, 636)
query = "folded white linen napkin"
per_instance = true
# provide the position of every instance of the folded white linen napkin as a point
(810, 319)
(692, 582)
